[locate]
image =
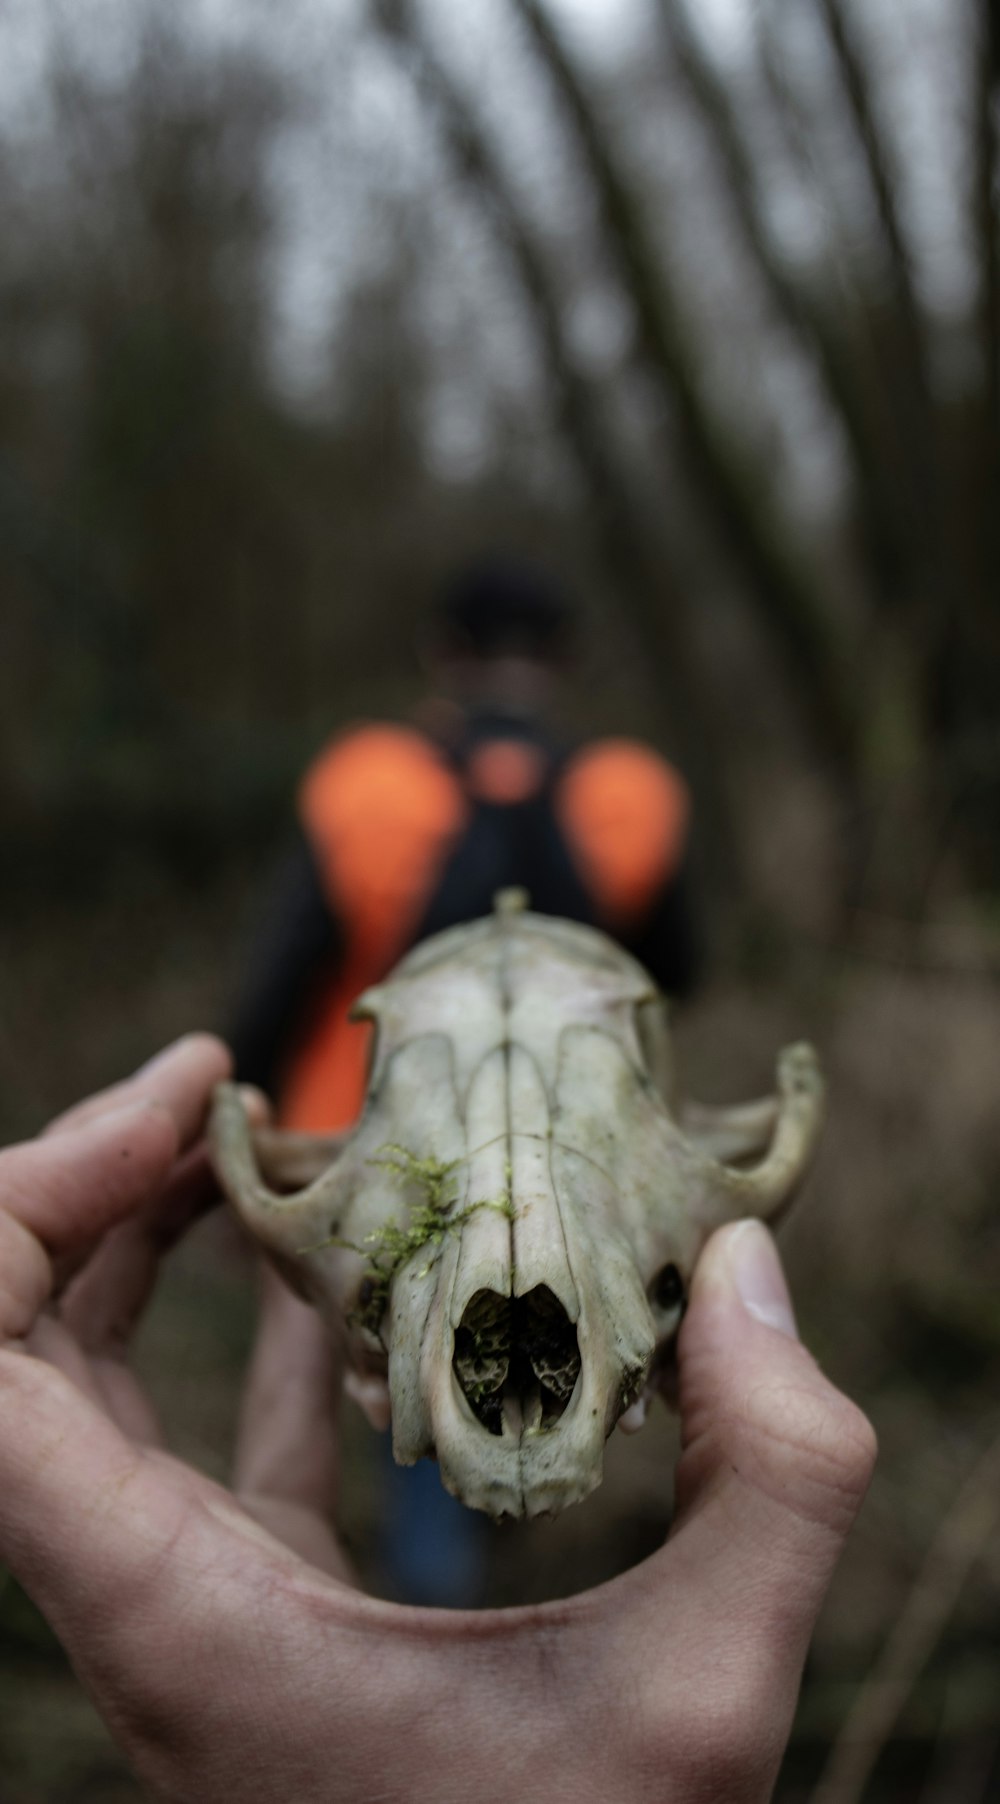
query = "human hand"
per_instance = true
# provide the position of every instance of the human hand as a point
(220, 1635)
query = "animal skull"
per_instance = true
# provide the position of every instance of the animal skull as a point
(509, 1233)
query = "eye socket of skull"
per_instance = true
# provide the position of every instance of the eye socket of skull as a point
(667, 1293)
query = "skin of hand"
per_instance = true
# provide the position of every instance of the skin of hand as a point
(220, 1634)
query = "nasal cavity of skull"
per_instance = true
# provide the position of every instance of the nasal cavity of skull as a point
(517, 1360)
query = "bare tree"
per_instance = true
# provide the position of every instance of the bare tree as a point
(646, 584)
(789, 600)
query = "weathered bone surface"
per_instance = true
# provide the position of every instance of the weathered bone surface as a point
(509, 1233)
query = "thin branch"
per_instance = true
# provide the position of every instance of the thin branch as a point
(813, 323)
(905, 347)
(869, 129)
(650, 589)
(986, 201)
(792, 112)
(961, 1538)
(787, 600)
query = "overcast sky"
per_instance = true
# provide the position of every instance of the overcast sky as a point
(363, 145)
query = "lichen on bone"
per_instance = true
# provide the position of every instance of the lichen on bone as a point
(388, 1248)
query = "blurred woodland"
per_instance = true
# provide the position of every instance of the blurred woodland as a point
(701, 305)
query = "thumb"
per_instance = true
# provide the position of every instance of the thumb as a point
(776, 1460)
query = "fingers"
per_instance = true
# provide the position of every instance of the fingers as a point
(103, 1304)
(287, 1456)
(25, 1277)
(105, 1301)
(287, 1443)
(104, 1160)
(64, 1476)
(50, 1341)
(107, 1539)
(775, 1464)
(180, 1079)
(776, 1461)
(68, 1190)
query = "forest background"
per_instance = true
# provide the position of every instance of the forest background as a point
(700, 304)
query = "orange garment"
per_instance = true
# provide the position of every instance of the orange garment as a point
(384, 812)
(625, 813)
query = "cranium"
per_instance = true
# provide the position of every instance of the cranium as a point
(508, 1234)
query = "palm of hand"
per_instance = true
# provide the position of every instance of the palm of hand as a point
(220, 1634)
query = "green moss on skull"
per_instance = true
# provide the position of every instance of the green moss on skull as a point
(430, 1222)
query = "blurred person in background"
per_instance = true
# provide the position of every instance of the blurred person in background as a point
(404, 830)
(407, 829)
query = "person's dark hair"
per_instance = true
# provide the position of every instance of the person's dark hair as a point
(502, 605)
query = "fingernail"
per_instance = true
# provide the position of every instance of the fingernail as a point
(165, 1053)
(759, 1279)
(252, 1098)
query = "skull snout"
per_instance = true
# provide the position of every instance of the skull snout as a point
(517, 1360)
